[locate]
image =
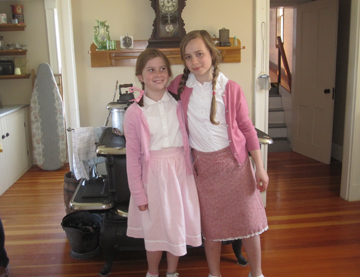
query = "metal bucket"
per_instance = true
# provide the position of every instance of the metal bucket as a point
(117, 114)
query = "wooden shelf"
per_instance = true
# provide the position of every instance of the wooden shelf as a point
(3, 77)
(12, 27)
(127, 57)
(13, 52)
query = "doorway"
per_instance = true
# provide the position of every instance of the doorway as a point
(289, 31)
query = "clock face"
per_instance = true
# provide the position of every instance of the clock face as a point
(168, 6)
(127, 41)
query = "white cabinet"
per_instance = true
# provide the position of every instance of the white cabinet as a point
(15, 159)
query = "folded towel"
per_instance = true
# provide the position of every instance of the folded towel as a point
(84, 150)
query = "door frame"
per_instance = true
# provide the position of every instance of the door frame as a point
(261, 98)
(350, 176)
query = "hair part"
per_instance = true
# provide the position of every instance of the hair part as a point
(142, 60)
(215, 60)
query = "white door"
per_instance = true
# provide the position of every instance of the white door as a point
(314, 79)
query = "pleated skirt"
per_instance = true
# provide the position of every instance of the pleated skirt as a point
(230, 204)
(172, 220)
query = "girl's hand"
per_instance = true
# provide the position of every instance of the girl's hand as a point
(143, 207)
(262, 179)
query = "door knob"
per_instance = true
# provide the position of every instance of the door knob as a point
(326, 91)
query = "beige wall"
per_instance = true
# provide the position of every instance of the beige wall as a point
(135, 17)
(19, 91)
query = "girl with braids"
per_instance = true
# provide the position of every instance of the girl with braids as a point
(164, 205)
(221, 135)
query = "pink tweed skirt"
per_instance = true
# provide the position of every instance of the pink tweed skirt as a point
(230, 204)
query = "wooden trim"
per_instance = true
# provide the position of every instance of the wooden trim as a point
(127, 57)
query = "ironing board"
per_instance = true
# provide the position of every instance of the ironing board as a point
(47, 121)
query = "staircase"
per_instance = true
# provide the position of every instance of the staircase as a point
(277, 127)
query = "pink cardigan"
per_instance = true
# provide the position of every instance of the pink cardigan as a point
(241, 132)
(137, 134)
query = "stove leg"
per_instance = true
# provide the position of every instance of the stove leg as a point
(236, 245)
(109, 258)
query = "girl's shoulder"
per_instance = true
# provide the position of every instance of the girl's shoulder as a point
(133, 109)
(233, 87)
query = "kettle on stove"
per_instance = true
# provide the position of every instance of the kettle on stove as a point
(117, 109)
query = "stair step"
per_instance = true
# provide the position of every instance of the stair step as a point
(276, 115)
(274, 91)
(277, 130)
(279, 145)
(275, 102)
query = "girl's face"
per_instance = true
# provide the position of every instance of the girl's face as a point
(155, 75)
(198, 60)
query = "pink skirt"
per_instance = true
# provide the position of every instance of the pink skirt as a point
(172, 220)
(230, 204)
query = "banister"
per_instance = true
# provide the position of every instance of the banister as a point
(285, 61)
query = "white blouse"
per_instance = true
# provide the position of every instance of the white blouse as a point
(163, 122)
(205, 136)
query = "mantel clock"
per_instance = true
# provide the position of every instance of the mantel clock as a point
(168, 26)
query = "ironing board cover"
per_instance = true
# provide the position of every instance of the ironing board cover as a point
(47, 121)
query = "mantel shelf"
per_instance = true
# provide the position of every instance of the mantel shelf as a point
(127, 57)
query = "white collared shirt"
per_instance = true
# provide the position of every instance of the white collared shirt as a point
(163, 122)
(205, 136)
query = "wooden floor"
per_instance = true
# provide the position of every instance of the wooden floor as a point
(312, 231)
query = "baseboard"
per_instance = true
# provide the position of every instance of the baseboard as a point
(337, 152)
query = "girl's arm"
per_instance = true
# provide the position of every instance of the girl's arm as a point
(133, 157)
(262, 178)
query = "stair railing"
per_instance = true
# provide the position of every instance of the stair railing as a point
(282, 55)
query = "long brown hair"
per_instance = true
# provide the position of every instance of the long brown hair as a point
(143, 58)
(215, 60)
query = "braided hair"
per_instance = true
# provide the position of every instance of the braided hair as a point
(215, 60)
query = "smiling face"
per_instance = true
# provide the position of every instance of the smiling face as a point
(198, 60)
(155, 76)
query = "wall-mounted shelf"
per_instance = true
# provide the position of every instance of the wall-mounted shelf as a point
(13, 52)
(12, 27)
(127, 57)
(3, 77)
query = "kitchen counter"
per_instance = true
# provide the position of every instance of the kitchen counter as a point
(6, 109)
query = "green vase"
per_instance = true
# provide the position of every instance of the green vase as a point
(101, 35)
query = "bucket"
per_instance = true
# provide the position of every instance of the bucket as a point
(117, 114)
(82, 230)
(70, 185)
